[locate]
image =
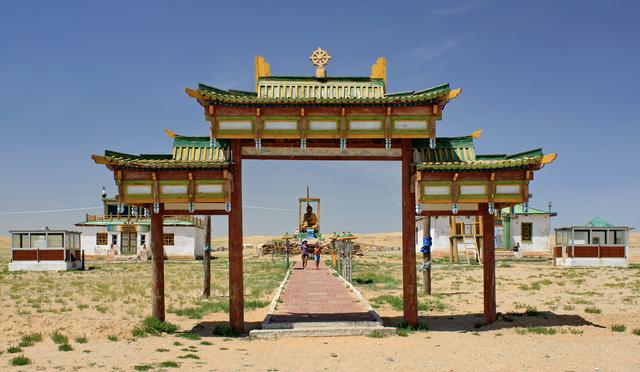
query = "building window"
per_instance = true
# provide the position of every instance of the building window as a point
(114, 239)
(527, 231)
(143, 240)
(598, 237)
(102, 238)
(20, 240)
(168, 239)
(55, 241)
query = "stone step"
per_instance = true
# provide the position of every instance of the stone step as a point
(320, 332)
(328, 324)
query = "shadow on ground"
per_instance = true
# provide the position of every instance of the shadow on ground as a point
(222, 329)
(475, 322)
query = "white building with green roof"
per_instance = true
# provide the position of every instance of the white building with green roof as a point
(523, 229)
(597, 243)
(124, 232)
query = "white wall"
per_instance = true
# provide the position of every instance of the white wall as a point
(88, 240)
(540, 240)
(440, 233)
(186, 238)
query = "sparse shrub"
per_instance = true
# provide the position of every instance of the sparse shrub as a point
(153, 326)
(224, 330)
(13, 349)
(81, 339)
(618, 328)
(189, 336)
(189, 356)
(376, 334)
(169, 364)
(20, 361)
(112, 338)
(592, 310)
(636, 331)
(30, 339)
(143, 367)
(206, 343)
(547, 331)
(64, 347)
(59, 338)
(161, 350)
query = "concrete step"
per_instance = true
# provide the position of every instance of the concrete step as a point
(328, 324)
(320, 332)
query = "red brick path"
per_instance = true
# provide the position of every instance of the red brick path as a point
(312, 295)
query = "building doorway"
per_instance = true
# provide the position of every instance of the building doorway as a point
(129, 244)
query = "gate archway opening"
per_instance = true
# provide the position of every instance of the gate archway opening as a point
(327, 119)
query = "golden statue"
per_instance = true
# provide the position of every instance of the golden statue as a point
(309, 221)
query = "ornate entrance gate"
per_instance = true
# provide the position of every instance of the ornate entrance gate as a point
(323, 118)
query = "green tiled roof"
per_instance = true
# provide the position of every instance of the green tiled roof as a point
(519, 209)
(145, 222)
(188, 153)
(458, 154)
(215, 95)
(599, 222)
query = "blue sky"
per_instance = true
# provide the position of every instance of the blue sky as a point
(79, 77)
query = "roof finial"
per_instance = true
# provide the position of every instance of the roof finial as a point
(320, 58)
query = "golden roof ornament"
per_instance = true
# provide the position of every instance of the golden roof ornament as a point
(320, 58)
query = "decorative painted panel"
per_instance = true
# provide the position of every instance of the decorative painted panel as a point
(435, 191)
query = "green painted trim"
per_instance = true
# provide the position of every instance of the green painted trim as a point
(252, 119)
(136, 183)
(365, 118)
(519, 196)
(462, 196)
(444, 197)
(199, 182)
(324, 118)
(292, 119)
(410, 117)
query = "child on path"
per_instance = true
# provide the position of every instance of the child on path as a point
(316, 253)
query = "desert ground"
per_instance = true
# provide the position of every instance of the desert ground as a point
(551, 319)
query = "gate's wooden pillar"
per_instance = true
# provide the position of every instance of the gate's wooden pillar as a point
(157, 263)
(409, 276)
(488, 265)
(236, 285)
(206, 259)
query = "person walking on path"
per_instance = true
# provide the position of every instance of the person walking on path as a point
(305, 254)
(316, 254)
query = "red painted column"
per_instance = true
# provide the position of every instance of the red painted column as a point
(157, 263)
(236, 285)
(488, 265)
(409, 276)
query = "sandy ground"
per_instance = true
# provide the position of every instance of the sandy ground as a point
(553, 319)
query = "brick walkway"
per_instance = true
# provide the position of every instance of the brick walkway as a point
(317, 296)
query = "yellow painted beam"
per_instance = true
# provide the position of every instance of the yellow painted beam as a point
(99, 159)
(193, 93)
(263, 69)
(379, 69)
(548, 159)
(454, 93)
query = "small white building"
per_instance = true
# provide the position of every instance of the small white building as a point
(598, 243)
(527, 232)
(126, 232)
(44, 250)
